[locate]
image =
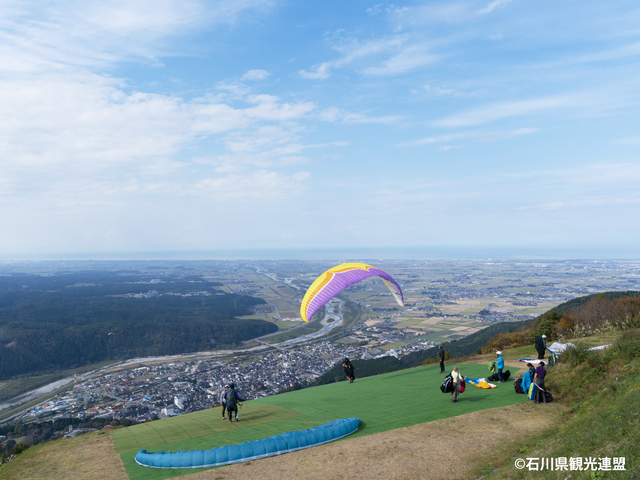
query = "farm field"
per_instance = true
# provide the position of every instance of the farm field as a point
(383, 403)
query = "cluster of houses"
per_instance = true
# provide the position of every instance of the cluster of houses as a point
(167, 389)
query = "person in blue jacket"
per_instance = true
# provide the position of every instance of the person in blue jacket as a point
(527, 378)
(500, 366)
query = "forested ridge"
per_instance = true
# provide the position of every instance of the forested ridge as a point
(72, 319)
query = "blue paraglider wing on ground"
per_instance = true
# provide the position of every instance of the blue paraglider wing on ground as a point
(245, 452)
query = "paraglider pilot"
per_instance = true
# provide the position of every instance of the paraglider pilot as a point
(223, 400)
(441, 358)
(500, 366)
(349, 370)
(233, 398)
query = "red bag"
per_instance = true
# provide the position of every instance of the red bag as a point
(462, 386)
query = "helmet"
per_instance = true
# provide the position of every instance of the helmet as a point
(232, 385)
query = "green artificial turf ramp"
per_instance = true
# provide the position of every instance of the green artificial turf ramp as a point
(384, 402)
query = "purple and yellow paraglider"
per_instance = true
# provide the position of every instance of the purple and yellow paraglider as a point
(336, 279)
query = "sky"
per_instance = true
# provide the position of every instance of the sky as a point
(190, 126)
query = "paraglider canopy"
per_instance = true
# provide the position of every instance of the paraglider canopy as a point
(336, 279)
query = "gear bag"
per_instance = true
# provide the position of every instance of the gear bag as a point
(517, 385)
(231, 398)
(447, 384)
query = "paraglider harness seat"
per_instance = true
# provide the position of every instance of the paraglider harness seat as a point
(447, 384)
(232, 399)
(517, 385)
(505, 376)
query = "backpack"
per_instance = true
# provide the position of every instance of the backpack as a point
(447, 384)
(517, 385)
(505, 376)
(231, 397)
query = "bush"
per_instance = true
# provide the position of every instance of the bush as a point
(581, 354)
(18, 449)
(627, 345)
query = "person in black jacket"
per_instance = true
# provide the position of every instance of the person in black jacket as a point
(349, 370)
(541, 345)
(441, 357)
(232, 399)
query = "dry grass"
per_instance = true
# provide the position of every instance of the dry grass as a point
(429, 450)
(86, 457)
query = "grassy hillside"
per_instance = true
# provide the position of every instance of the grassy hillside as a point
(383, 402)
(602, 391)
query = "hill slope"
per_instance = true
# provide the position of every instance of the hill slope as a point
(383, 403)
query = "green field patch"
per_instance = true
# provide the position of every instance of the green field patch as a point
(382, 402)
(389, 346)
(430, 336)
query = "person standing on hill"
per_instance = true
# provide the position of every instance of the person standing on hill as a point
(500, 366)
(541, 345)
(232, 401)
(456, 379)
(539, 379)
(441, 358)
(349, 370)
(223, 399)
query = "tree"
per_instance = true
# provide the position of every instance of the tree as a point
(18, 449)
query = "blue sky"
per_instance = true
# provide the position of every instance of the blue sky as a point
(190, 126)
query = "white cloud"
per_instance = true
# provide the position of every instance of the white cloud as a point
(255, 75)
(334, 114)
(493, 5)
(409, 59)
(625, 51)
(495, 136)
(92, 33)
(352, 50)
(431, 140)
(263, 185)
(448, 12)
(498, 111)
(439, 90)
(474, 136)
